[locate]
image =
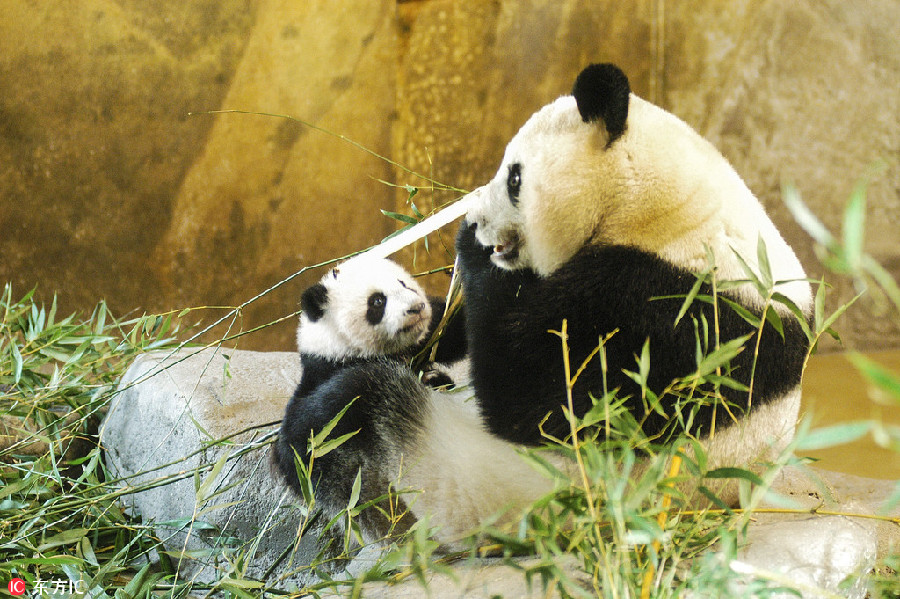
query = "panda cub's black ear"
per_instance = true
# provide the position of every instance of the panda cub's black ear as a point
(601, 92)
(313, 302)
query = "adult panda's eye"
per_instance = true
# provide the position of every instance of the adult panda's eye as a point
(514, 182)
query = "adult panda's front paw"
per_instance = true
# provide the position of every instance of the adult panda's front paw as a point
(471, 253)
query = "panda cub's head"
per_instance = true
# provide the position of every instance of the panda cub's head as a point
(362, 308)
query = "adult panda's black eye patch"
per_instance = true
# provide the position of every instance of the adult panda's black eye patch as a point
(375, 309)
(514, 182)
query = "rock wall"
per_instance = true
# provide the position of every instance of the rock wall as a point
(110, 188)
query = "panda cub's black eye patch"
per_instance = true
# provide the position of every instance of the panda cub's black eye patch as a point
(514, 182)
(375, 310)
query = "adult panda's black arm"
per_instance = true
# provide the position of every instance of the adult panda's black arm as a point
(517, 363)
(452, 345)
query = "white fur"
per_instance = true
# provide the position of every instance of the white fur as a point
(464, 475)
(660, 187)
(344, 332)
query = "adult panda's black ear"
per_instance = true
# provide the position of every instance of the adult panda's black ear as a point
(601, 92)
(313, 302)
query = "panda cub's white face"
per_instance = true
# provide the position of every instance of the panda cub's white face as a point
(362, 308)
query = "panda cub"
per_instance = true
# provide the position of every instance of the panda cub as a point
(360, 327)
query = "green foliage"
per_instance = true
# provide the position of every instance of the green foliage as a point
(60, 518)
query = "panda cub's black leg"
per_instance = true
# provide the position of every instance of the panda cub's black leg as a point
(385, 415)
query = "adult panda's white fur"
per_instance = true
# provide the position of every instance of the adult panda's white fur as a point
(602, 203)
(651, 183)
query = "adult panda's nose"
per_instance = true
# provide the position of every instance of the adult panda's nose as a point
(416, 308)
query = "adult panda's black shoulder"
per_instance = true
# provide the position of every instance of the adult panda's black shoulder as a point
(604, 203)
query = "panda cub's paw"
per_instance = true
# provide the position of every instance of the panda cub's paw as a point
(436, 378)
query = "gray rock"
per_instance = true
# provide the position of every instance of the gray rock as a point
(812, 554)
(165, 424)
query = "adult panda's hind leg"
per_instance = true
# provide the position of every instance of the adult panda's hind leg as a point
(753, 443)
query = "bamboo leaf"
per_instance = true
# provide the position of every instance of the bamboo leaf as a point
(206, 486)
(354, 492)
(795, 310)
(306, 485)
(331, 444)
(804, 216)
(819, 308)
(877, 375)
(774, 319)
(401, 217)
(722, 355)
(830, 436)
(751, 318)
(753, 277)
(319, 438)
(737, 473)
(689, 299)
(837, 314)
(853, 226)
(765, 269)
(66, 537)
(18, 363)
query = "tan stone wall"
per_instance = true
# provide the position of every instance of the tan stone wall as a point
(108, 189)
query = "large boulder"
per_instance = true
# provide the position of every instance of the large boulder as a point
(190, 432)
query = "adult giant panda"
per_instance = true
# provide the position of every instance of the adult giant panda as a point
(604, 205)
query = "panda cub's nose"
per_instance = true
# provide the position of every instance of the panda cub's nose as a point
(416, 308)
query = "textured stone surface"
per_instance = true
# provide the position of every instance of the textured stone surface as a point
(108, 189)
(164, 422)
(814, 554)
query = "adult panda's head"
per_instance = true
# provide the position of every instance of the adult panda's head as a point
(364, 307)
(603, 166)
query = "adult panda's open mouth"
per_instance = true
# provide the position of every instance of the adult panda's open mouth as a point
(508, 249)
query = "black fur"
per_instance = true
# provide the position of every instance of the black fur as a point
(375, 308)
(514, 183)
(387, 413)
(601, 92)
(517, 365)
(313, 301)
